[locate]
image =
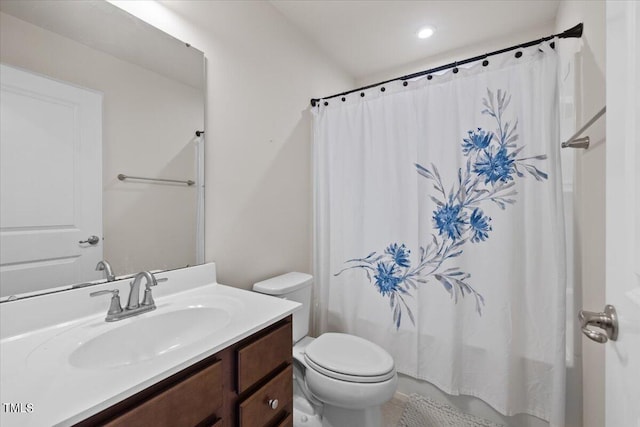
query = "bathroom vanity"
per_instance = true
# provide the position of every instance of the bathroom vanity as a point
(208, 355)
(247, 384)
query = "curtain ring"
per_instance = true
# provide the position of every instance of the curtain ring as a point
(455, 67)
(519, 52)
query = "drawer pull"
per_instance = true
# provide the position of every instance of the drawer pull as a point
(273, 403)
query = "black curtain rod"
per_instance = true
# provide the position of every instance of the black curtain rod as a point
(574, 32)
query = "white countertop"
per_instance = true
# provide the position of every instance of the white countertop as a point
(38, 334)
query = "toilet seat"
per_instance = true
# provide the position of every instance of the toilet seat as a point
(349, 358)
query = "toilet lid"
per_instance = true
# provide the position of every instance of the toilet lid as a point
(349, 358)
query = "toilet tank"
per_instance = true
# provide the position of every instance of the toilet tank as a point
(295, 287)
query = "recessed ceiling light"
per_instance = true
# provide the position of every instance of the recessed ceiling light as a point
(425, 32)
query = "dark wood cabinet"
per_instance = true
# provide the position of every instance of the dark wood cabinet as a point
(265, 379)
(259, 358)
(187, 403)
(287, 422)
(248, 384)
(269, 403)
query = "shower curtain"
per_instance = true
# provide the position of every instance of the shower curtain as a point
(439, 229)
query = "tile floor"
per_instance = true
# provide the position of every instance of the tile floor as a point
(392, 410)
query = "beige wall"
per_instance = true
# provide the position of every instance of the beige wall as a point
(589, 195)
(261, 73)
(148, 124)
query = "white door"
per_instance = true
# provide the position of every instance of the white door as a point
(50, 182)
(622, 373)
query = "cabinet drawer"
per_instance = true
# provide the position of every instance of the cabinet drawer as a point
(262, 356)
(184, 404)
(287, 422)
(255, 410)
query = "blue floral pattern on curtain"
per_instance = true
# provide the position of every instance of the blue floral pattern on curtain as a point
(492, 167)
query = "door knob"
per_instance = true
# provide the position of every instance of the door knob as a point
(607, 321)
(92, 240)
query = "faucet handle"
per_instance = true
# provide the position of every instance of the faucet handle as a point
(153, 282)
(115, 292)
(148, 298)
(115, 306)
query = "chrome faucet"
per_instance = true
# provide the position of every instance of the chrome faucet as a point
(106, 267)
(134, 293)
(134, 307)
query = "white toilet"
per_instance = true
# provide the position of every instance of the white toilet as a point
(340, 380)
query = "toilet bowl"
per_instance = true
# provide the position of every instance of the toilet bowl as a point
(340, 379)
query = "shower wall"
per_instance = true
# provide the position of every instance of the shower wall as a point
(589, 198)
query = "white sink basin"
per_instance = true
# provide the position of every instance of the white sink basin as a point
(176, 325)
(149, 337)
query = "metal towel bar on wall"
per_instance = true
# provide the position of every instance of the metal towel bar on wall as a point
(122, 177)
(574, 141)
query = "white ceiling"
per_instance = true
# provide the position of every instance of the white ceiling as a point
(105, 27)
(370, 36)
